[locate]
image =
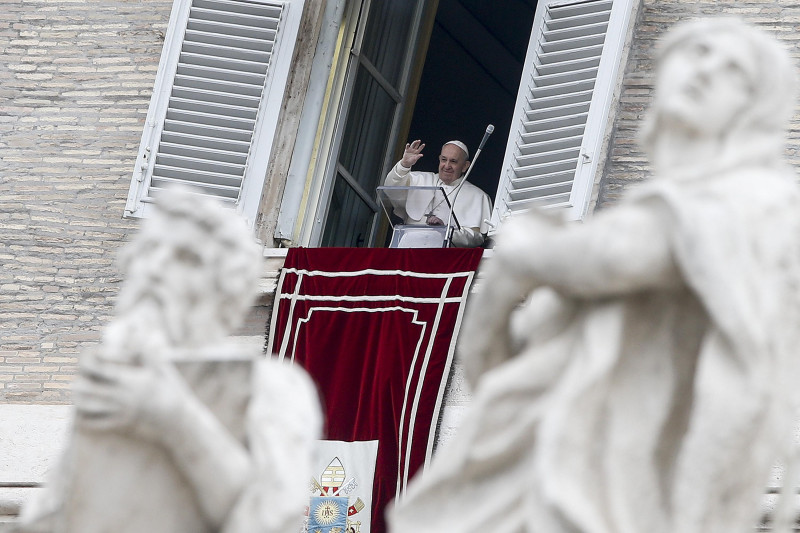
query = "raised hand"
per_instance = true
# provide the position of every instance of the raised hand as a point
(412, 153)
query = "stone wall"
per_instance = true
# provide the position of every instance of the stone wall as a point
(75, 84)
(627, 164)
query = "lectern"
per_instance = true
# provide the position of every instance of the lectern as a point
(403, 203)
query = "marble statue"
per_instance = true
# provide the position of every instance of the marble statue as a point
(177, 428)
(638, 372)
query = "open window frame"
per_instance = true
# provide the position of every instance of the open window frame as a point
(217, 97)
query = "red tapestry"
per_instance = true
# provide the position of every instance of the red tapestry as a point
(376, 329)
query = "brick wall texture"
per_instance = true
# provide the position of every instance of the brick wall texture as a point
(627, 163)
(75, 83)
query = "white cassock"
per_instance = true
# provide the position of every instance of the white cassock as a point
(472, 206)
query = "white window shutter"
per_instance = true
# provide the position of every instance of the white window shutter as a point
(216, 100)
(562, 106)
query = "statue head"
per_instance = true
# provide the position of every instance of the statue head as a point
(190, 273)
(719, 78)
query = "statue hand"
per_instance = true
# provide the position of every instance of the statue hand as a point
(485, 340)
(412, 153)
(518, 240)
(143, 399)
(505, 283)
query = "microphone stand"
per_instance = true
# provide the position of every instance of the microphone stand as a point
(449, 234)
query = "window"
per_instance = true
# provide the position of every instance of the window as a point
(374, 93)
(217, 94)
(562, 107)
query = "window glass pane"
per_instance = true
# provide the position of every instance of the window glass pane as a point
(386, 36)
(367, 132)
(349, 218)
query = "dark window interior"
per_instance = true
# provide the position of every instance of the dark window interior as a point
(470, 79)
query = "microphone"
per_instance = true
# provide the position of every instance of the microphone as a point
(489, 131)
(449, 237)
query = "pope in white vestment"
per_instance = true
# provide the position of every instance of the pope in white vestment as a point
(472, 207)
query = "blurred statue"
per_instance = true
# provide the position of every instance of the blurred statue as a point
(648, 381)
(177, 429)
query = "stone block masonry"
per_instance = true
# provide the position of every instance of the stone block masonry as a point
(627, 163)
(75, 83)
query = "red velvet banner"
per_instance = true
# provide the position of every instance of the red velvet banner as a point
(376, 329)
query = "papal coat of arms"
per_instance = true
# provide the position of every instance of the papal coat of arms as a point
(333, 507)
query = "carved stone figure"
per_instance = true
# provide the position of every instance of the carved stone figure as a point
(648, 381)
(176, 428)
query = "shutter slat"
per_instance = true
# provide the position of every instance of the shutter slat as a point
(565, 77)
(558, 100)
(226, 52)
(579, 8)
(214, 108)
(589, 41)
(598, 17)
(225, 75)
(203, 28)
(200, 95)
(589, 48)
(230, 171)
(207, 131)
(555, 123)
(578, 32)
(196, 176)
(185, 168)
(227, 63)
(540, 191)
(557, 67)
(250, 8)
(555, 112)
(554, 178)
(572, 104)
(196, 152)
(234, 17)
(558, 143)
(199, 141)
(239, 89)
(547, 168)
(236, 42)
(543, 201)
(563, 88)
(206, 119)
(544, 136)
(536, 158)
(211, 189)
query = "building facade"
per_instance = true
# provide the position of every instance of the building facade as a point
(104, 102)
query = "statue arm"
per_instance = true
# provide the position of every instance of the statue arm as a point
(261, 488)
(217, 466)
(151, 401)
(624, 250)
(283, 422)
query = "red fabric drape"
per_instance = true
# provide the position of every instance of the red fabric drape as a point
(376, 330)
